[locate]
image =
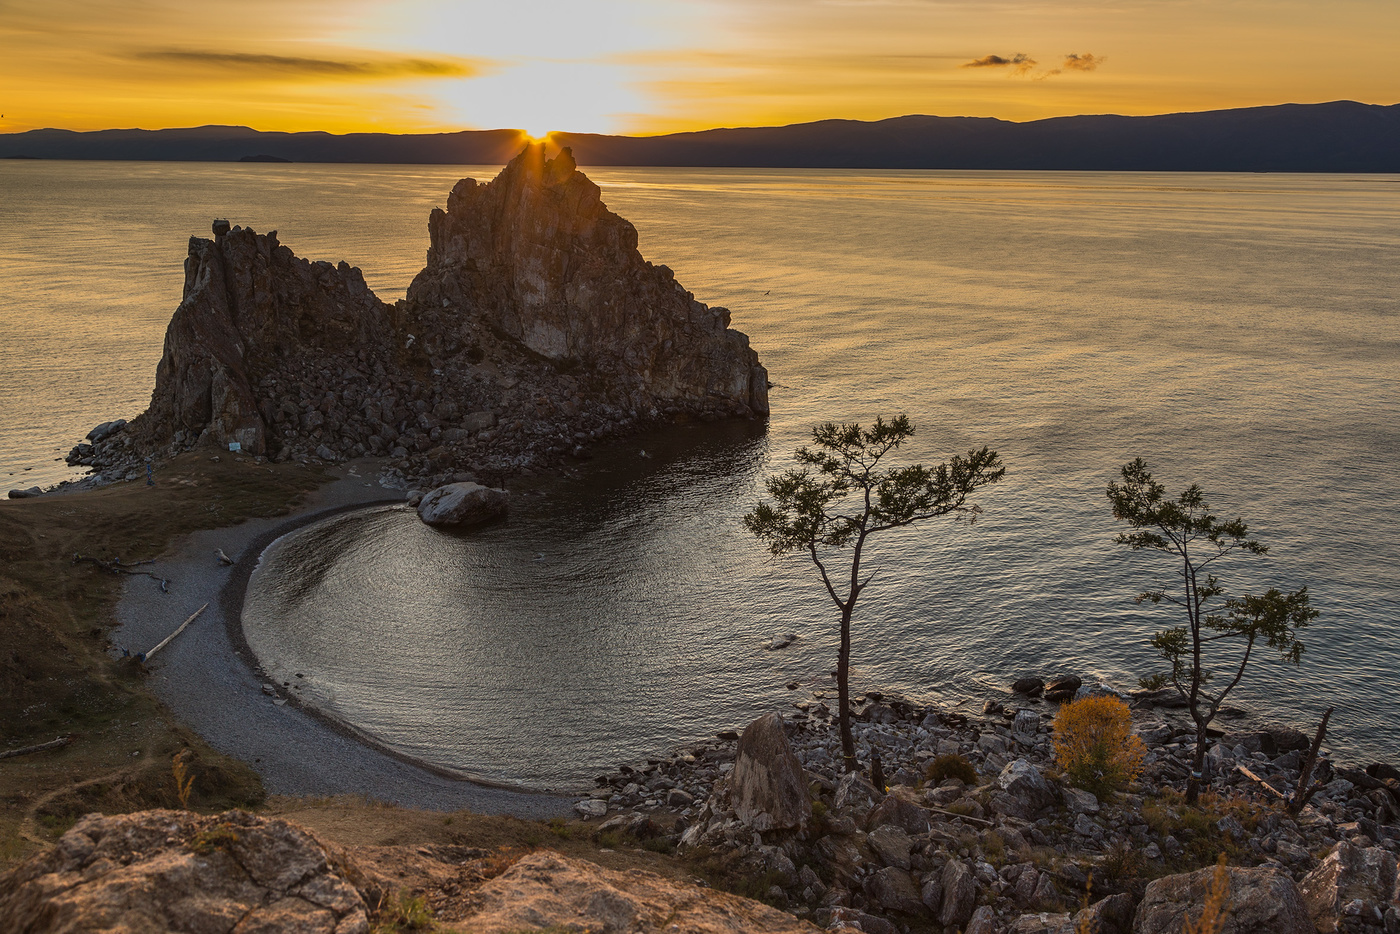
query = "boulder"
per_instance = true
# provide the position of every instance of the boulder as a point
(1080, 801)
(1023, 782)
(1349, 874)
(1112, 915)
(105, 430)
(854, 791)
(1260, 901)
(1098, 689)
(891, 844)
(1043, 923)
(898, 810)
(893, 889)
(591, 807)
(181, 872)
(983, 921)
(478, 421)
(460, 504)
(29, 493)
(1025, 725)
(767, 786)
(1069, 683)
(1028, 686)
(959, 893)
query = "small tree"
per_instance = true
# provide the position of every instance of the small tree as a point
(842, 495)
(1185, 529)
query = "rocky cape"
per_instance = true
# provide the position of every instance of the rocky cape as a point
(535, 328)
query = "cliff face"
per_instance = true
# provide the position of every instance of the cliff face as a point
(535, 328)
(537, 255)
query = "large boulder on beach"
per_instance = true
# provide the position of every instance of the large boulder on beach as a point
(1260, 901)
(461, 504)
(180, 872)
(767, 787)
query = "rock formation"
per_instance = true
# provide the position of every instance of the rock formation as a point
(535, 328)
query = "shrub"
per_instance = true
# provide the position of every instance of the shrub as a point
(1095, 745)
(949, 766)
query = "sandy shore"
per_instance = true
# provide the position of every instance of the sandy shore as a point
(206, 676)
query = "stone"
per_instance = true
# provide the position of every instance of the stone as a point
(545, 890)
(782, 641)
(105, 430)
(1025, 725)
(983, 921)
(1349, 873)
(181, 872)
(679, 798)
(767, 785)
(893, 889)
(29, 493)
(1261, 901)
(1030, 686)
(1069, 683)
(591, 807)
(931, 892)
(1153, 734)
(1111, 915)
(1080, 801)
(1042, 923)
(478, 421)
(462, 504)
(896, 809)
(1023, 781)
(854, 791)
(1095, 690)
(891, 844)
(959, 893)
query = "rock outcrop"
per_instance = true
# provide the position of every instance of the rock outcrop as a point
(535, 328)
(547, 890)
(177, 871)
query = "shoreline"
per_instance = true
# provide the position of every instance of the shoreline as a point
(210, 679)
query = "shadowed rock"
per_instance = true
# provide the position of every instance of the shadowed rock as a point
(535, 311)
(1261, 901)
(458, 504)
(767, 785)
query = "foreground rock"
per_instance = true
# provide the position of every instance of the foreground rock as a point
(462, 504)
(1261, 901)
(535, 329)
(1353, 890)
(176, 871)
(546, 890)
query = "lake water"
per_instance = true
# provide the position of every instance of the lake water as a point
(1235, 331)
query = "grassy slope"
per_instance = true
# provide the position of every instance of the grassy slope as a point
(55, 675)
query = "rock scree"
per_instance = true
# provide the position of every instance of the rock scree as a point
(535, 329)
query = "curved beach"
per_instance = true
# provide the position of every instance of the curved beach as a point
(208, 678)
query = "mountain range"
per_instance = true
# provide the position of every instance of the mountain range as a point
(1340, 136)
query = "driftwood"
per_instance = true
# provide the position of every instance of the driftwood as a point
(975, 820)
(115, 566)
(1255, 778)
(1305, 790)
(168, 639)
(26, 750)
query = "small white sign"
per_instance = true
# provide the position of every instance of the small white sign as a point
(235, 446)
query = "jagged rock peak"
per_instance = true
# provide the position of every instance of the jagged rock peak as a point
(537, 254)
(535, 328)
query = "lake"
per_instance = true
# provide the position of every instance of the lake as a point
(1236, 331)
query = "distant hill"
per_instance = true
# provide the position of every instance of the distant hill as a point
(1342, 136)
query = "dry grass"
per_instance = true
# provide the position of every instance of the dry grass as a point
(55, 675)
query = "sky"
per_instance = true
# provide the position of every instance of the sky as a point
(657, 66)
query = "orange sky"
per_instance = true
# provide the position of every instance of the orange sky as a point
(651, 66)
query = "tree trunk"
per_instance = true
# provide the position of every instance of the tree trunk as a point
(843, 670)
(1193, 784)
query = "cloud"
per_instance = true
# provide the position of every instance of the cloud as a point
(1020, 63)
(1086, 62)
(250, 64)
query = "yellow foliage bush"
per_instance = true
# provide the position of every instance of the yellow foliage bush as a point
(1095, 744)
